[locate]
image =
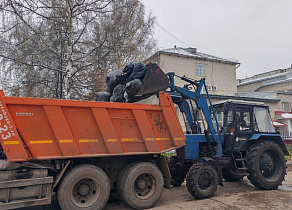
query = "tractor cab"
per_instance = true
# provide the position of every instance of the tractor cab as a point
(240, 120)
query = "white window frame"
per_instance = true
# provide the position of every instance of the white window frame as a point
(201, 69)
(285, 106)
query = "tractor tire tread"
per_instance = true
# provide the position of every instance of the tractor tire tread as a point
(254, 175)
(191, 181)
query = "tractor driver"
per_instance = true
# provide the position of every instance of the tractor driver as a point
(239, 122)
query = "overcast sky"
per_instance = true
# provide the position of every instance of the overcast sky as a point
(258, 33)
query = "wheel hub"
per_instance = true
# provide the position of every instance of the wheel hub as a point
(141, 184)
(144, 186)
(83, 189)
(205, 180)
(267, 164)
(85, 192)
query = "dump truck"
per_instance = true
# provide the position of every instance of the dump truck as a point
(83, 150)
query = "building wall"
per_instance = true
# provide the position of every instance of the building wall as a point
(248, 87)
(222, 75)
(283, 86)
(285, 98)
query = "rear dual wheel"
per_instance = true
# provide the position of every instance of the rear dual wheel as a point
(140, 185)
(84, 187)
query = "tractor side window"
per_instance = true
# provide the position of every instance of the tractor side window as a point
(228, 122)
(230, 118)
(219, 116)
(242, 119)
(263, 120)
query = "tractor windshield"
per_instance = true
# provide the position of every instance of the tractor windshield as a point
(263, 120)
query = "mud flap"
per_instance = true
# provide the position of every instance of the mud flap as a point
(163, 166)
(216, 165)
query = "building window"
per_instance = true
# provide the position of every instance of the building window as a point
(200, 69)
(285, 107)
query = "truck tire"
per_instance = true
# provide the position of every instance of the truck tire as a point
(266, 164)
(141, 185)
(231, 177)
(177, 178)
(120, 175)
(84, 187)
(202, 180)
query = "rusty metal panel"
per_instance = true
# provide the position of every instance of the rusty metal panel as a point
(64, 128)
(146, 131)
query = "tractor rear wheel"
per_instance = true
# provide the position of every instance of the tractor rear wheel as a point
(267, 165)
(84, 187)
(229, 176)
(141, 185)
(202, 180)
(177, 176)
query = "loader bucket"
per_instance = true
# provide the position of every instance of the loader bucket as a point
(154, 81)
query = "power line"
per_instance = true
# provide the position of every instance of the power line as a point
(171, 34)
(156, 22)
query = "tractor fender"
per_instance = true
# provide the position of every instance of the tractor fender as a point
(216, 165)
(273, 137)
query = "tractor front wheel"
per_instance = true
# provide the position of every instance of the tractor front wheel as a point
(202, 180)
(267, 165)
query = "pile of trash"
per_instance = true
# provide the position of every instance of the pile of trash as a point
(123, 84)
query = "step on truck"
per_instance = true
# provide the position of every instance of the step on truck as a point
(83, 150)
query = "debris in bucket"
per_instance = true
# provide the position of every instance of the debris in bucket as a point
(111, 80)
(118, 94)
(123, 84)
(102, 96)
(133, 87)
(134, 82)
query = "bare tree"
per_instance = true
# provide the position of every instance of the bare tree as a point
(63, 49)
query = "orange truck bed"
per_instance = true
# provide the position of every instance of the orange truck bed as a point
(32, 128)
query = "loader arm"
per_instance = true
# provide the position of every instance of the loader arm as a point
(202, 104)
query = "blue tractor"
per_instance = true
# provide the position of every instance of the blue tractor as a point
(229, 140)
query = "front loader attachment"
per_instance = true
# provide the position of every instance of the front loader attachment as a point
(154, 81)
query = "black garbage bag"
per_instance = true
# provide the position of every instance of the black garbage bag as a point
(102, 96)
(122, 78)
(128, 69)
(118, 93)
(133, 87)
(138, 71)
(111, 80)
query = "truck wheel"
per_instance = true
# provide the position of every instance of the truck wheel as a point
(176, 176)
(202, 180)
(229, 176)
(120, 175)
(141, 185)
(84, 187)
(266, 164)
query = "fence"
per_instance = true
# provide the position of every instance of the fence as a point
(287, 137)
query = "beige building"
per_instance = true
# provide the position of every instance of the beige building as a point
(220, 73)
(276, 84)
